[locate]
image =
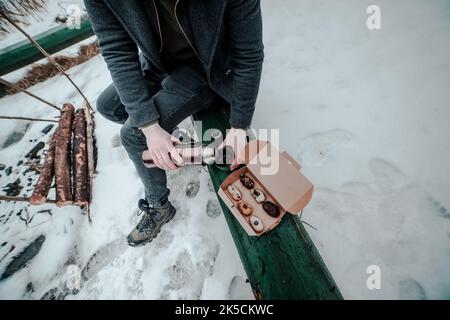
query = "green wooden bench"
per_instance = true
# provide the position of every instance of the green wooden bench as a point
(283, 263)
(54, 40)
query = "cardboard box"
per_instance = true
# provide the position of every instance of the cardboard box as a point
(283, 185)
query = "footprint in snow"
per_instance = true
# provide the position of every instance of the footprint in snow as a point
(192, 188)
(316, 148)
(437, 207)
(115, 141)
(213, 209)
(164, 239)
(387, 176)
(410, 289)
(190, 271)
(102, 257)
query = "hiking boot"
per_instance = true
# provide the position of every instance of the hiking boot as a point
(152, 221)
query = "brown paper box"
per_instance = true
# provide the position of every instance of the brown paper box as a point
(287, 187)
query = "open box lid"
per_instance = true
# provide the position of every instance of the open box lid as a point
(279, 174)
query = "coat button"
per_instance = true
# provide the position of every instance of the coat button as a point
(228, 72)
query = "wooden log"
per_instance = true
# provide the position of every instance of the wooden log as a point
(62, 157)
(90, 154)
(44, 183)
(80, 162)
(90, 148)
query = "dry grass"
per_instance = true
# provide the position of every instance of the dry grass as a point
(16, 10)
(41, 72)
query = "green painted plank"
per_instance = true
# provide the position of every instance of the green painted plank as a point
(283, 263)
(24, 53)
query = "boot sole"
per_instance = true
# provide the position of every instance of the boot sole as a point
(143, 243)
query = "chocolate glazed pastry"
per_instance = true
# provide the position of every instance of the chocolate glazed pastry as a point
(271, 209)
(247, 182)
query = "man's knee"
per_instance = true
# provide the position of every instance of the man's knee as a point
(103, 103)
(110, 106)
(133, 140)
(126, 134)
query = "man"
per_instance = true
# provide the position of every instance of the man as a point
(192, 52)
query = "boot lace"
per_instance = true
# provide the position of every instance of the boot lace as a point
(147, 220)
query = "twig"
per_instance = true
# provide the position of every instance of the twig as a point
(20, 199)
(309, 224)
(303, 221)
(33, 166)
(50, 59)
(27, 119)
(11, 85)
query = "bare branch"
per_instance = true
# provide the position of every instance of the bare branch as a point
(27, 119)
(9, 84)
(20, 199)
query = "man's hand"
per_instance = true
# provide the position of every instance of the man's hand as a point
(236, 139)
(161, 147)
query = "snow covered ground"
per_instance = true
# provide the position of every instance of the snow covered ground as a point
(365, 112)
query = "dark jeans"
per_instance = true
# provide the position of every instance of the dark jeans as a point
(177, 96)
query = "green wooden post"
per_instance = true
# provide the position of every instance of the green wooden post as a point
(284, 263)
(24, 53)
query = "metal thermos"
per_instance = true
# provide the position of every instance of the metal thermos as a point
(197, 154)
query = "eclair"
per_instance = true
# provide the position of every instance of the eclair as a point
(234, 192)
(258, 195)
(245, 208)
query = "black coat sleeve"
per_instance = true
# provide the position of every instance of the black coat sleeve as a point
(122, 58)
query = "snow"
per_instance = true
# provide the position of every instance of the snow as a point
(366, 114)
